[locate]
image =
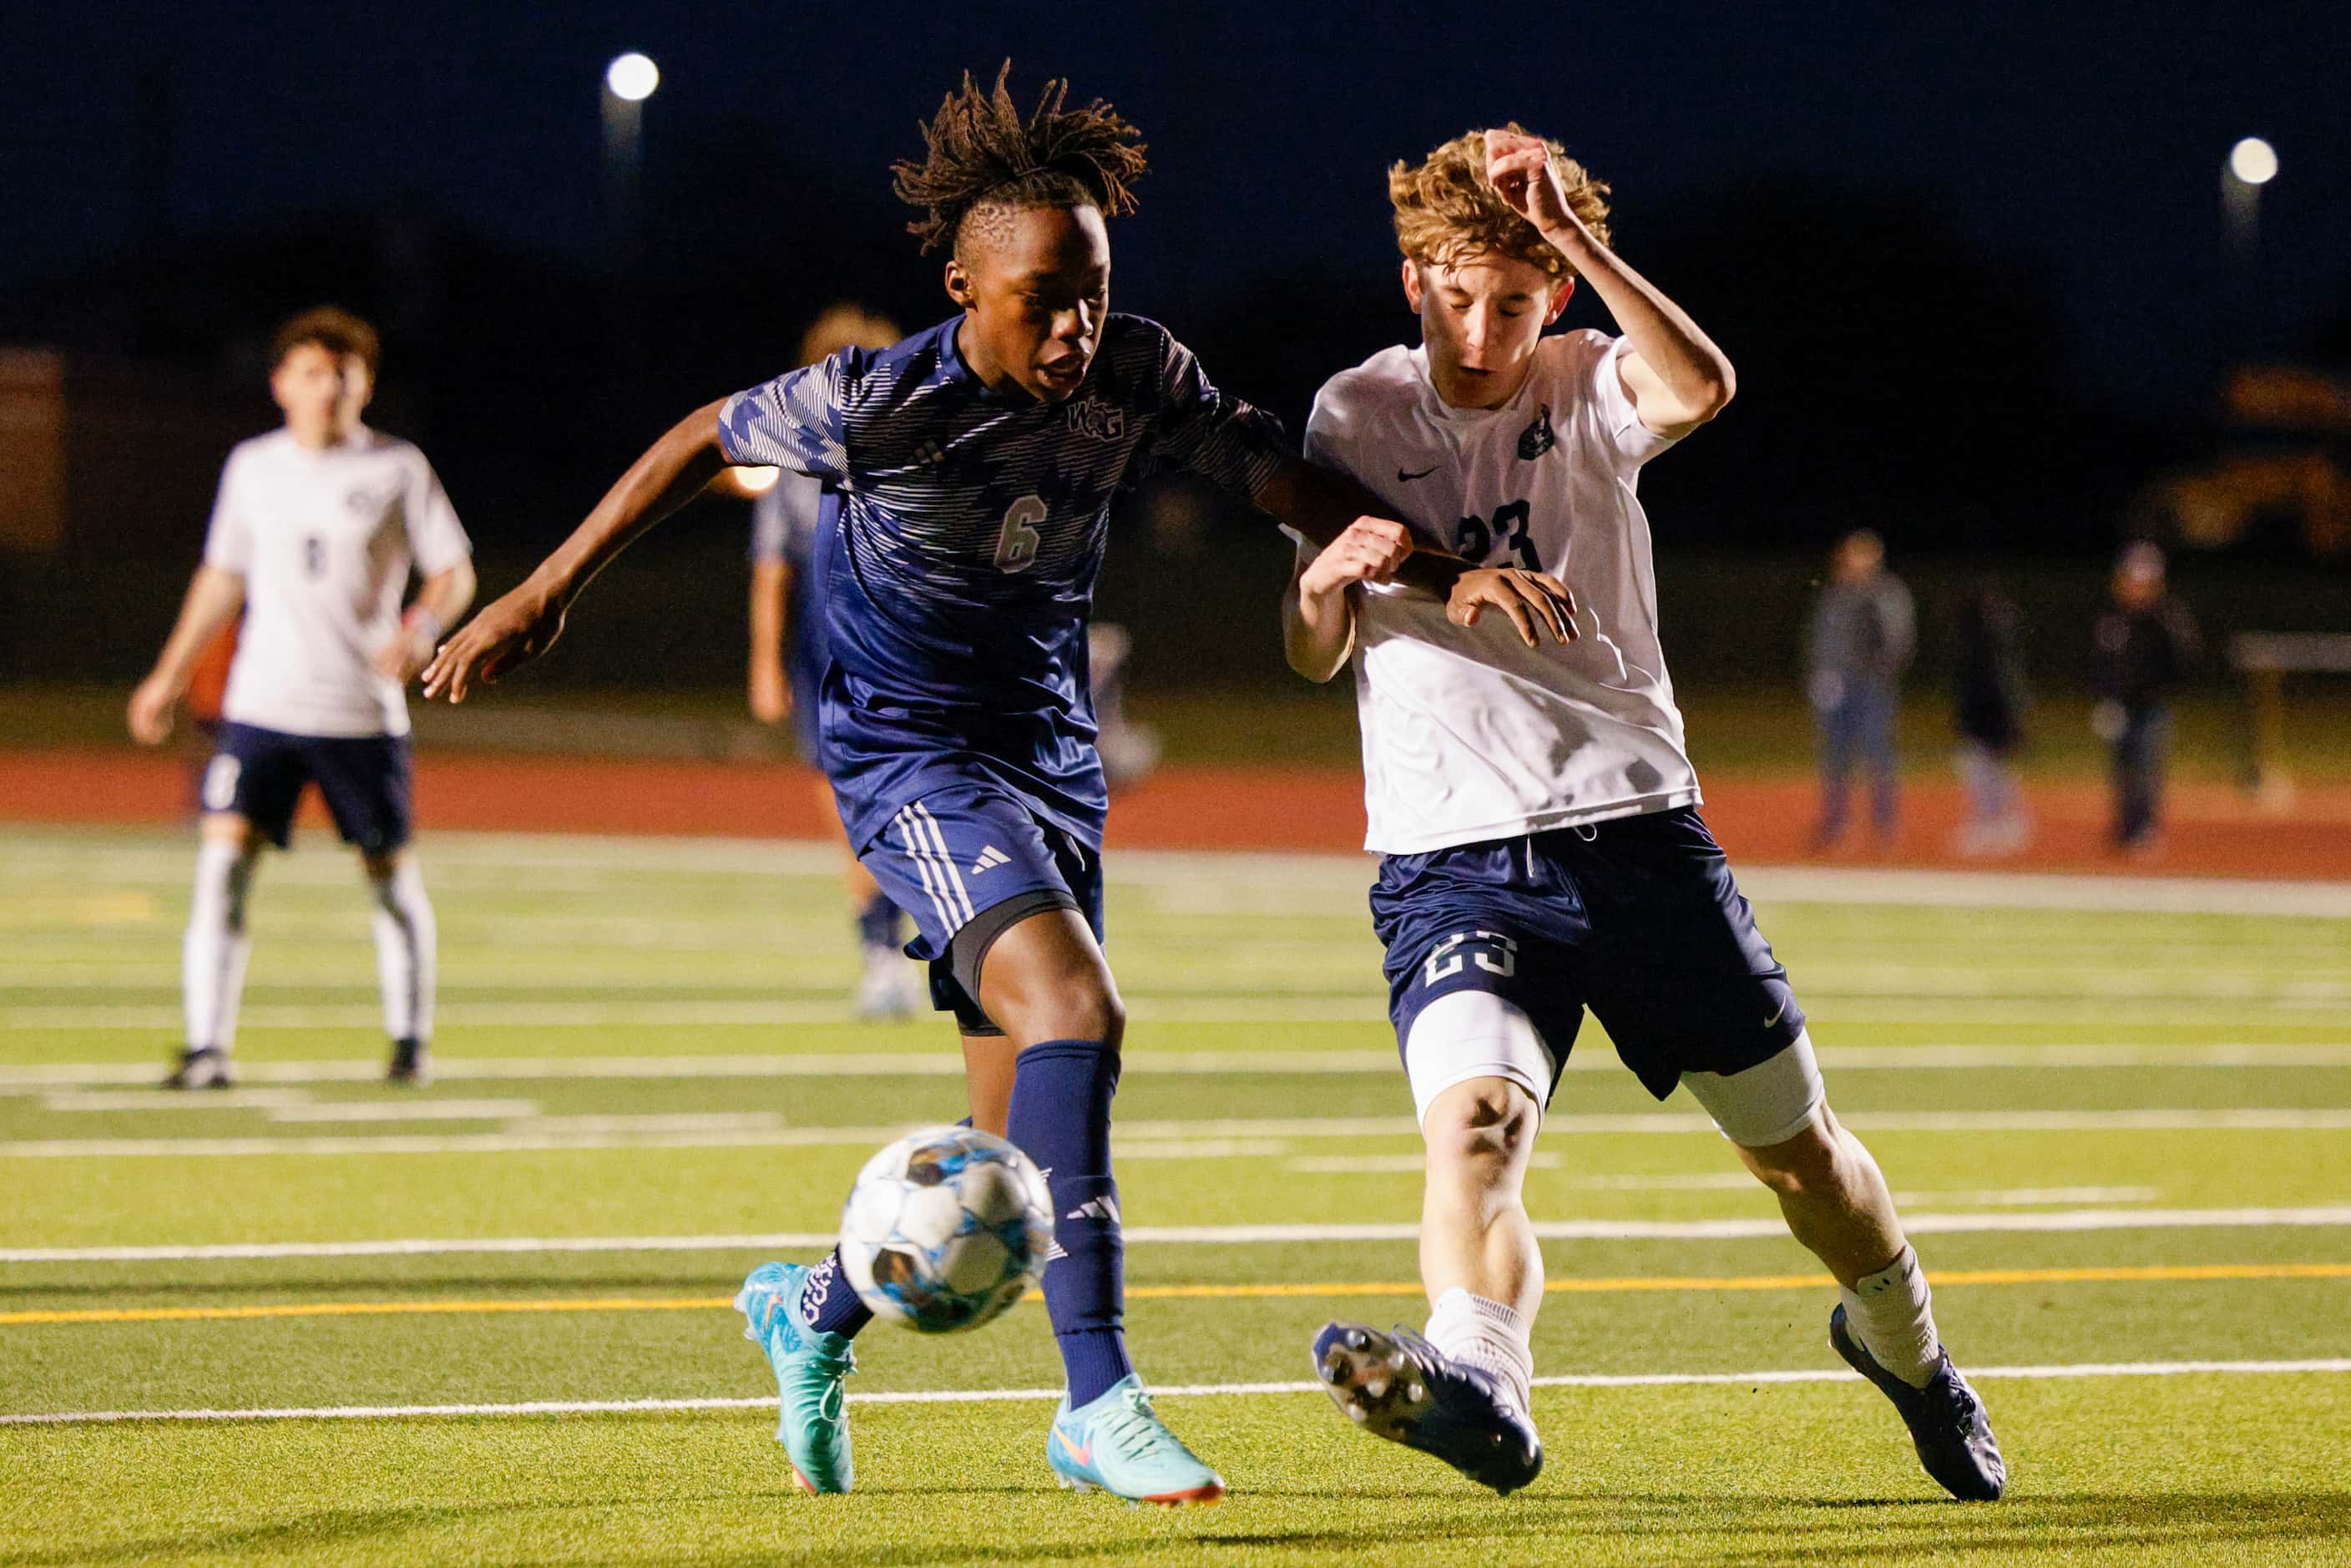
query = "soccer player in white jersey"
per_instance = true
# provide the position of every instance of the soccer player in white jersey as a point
(1538, 812)
(313, 535)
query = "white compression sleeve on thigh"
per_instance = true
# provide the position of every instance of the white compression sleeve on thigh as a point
(1474, 1034)
(214, 953)
(405, 950)
(1768, 1104)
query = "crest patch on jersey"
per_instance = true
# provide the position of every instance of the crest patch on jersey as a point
(1098, 420)
(1536, 438)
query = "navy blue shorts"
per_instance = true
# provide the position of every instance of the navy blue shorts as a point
(1637, 919)
(259, 775)
(962, 850)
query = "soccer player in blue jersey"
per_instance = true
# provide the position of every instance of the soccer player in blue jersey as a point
(968, 474)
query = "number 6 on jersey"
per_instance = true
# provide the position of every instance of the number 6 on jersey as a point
(1015, 547)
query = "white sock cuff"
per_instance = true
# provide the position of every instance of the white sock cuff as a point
(1896, 1276)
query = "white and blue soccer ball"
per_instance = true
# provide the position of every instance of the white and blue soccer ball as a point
(945, 1229)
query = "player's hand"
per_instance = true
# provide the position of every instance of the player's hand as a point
(410, 648)
(771, 695)
(152, 707)
(510, 633)
(1369, 552)
(1539, 606)
(1518, 167)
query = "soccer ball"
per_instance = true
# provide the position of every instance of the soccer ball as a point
(945, 1229)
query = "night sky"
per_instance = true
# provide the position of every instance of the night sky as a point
(2081, 143)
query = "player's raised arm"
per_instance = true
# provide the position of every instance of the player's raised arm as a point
(520, 625)
(1675, 376)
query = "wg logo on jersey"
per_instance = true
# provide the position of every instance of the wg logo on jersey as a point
(361, 503)
(1097, 421)
(1536, 438)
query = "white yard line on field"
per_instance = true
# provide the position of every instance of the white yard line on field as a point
(1179, 1391)
(2083, 1219)
(1249, 1133)
(42, 1078)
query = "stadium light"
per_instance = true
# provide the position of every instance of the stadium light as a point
(2253, 161)
(632, 78)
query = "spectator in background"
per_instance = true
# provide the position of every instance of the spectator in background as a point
(1864, 631)
(2146, 643)
(1989, 697)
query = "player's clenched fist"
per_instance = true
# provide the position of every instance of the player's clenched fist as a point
(515, 630)
(1520, 169)
(1535, 604)
(1369, 552)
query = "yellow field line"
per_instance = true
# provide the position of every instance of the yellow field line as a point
(2143, 1274)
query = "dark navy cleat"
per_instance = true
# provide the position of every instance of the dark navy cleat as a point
(1946, 1419)
(202, 1067)
(1399, 1386)
(412, 1062)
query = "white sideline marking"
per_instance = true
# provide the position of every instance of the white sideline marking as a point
(1179, 1391)
(1252, 1133)
(407, 1110)
(1200, 1235)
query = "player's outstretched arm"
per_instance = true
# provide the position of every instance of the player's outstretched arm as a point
(1675, 376)
(521, 625)
(215, 596)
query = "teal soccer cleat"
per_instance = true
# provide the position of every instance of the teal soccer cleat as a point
(810, 1367)
(1119, 1444)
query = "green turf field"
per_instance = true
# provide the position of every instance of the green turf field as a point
(2118, 1116)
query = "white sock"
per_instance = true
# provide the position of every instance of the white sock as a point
(1892, 1314)
(1488, 1335)
(406, 941)
(214, 953)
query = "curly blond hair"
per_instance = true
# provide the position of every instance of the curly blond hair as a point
(1448, 212)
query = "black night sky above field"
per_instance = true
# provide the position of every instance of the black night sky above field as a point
(2081, 144)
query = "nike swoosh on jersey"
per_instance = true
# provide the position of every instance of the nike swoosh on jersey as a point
(1422, 474)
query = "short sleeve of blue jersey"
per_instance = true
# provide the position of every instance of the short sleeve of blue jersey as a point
(1230, 443)
(794, 422)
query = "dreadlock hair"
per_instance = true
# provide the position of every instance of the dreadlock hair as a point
(985, 157)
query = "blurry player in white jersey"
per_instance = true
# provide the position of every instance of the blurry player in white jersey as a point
(1536, 811)
(313, 535)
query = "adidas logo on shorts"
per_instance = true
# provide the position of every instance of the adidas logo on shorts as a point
(989, 859)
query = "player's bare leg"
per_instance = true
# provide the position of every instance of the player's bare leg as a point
(1837, 1203)
(1475, 1234)
(1045, 982)
(989, 1062)
(214, 952)
(1461, 1392)
(407, 944)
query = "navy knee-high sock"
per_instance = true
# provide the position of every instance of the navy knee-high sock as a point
(1060, 1117)
(831, 1305)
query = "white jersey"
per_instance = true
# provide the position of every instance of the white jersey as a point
(323, 538)
(1470, 735)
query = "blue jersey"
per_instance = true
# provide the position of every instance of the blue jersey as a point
(963, 532)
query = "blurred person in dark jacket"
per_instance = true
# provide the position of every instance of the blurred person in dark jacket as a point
(2147, 644)
(1864, 631)
(1989, 699)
